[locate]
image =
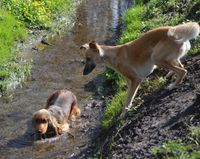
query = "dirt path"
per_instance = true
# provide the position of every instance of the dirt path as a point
(60, 66)
(162, 116)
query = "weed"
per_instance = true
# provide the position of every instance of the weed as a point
(151, 84)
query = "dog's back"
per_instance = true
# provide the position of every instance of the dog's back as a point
(62, 101)
(61, 98)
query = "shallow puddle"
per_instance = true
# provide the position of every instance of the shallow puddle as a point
(60, 66)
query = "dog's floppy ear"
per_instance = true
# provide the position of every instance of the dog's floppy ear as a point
(84, 47)
(55, 126)
(93, 45)
(90, 45)
(33, 119)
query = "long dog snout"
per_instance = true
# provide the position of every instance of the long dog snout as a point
(89, 66)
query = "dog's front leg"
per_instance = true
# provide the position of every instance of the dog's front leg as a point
(133, 86)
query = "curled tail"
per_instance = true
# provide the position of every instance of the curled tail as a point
(184, 32)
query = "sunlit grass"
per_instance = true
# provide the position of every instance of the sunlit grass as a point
(11, 30)
(133, 24)
(40, 13)
(11, 71)
(113, 109)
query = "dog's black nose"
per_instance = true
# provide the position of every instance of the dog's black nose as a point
(82, 47)
(39, 132)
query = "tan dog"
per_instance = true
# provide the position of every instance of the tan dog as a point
(135, 60)
(61, 108)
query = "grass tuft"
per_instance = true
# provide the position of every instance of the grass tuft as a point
(113, 109)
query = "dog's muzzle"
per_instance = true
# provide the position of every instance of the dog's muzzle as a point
(89, 66)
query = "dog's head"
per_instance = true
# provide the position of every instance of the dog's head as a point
(40, 121)
(92, 54)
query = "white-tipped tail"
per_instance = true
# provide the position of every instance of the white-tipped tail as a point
(184, 32)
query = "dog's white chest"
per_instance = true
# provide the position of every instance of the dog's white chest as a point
(145, 69)
(184, 49)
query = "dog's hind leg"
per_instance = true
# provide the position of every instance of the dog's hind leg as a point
(172, 73)
(75, 112)
(65, 127)
(177, 68)
(133, 86)
(169, 74)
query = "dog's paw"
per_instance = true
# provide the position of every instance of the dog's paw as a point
(122, 115)
(171, 86)
(65, 127)
(37, 136)
(170, 74)
(73, 118)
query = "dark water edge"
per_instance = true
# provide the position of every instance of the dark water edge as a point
(60, 66)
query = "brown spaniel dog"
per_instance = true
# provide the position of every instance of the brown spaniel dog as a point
(60, 109)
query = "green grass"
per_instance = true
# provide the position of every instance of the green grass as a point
(115, 79)
(12, 70)
(37, 13)
(113, 109)
(11, 30)
(133, 24)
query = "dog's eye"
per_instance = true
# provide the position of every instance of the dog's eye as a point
(41, 121)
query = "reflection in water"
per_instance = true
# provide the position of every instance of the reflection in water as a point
(115, 13)
(102, 20)
(59, 66)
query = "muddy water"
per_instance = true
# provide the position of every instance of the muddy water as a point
(60, 66)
